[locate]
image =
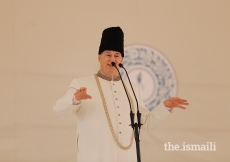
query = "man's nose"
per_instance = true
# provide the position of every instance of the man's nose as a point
(112, 59)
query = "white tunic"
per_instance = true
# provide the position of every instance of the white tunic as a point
(95, 142)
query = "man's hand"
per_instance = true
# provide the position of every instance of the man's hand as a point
(176, 102)
(81, 94)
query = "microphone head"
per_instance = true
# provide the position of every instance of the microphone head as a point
(113, 64)
(120, 64)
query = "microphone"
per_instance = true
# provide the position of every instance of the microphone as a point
(131, 113)
(113, 64)
(138, 112)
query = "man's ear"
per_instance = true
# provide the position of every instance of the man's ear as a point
(99, 57)
(121, 60)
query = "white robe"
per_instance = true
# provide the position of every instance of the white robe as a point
(95, 142)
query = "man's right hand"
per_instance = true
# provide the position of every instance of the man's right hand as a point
(81, 94)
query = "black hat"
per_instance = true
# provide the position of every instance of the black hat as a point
(112, 39)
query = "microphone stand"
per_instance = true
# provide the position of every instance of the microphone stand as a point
(136, 126)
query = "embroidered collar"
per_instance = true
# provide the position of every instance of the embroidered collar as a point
(108, 77)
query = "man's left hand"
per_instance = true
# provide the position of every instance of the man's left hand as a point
(176, 102)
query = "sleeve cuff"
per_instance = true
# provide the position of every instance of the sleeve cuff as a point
(168, 108)
(75, 101)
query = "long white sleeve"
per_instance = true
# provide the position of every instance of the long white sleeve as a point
(151, 119)
(64, 106)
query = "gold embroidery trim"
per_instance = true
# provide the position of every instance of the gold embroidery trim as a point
(107, 77)
(108, 117)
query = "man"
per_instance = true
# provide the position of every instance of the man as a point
(102, 109)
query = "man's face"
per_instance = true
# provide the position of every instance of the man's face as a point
(105, 59)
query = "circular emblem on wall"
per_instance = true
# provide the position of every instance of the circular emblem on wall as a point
(152, 71)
